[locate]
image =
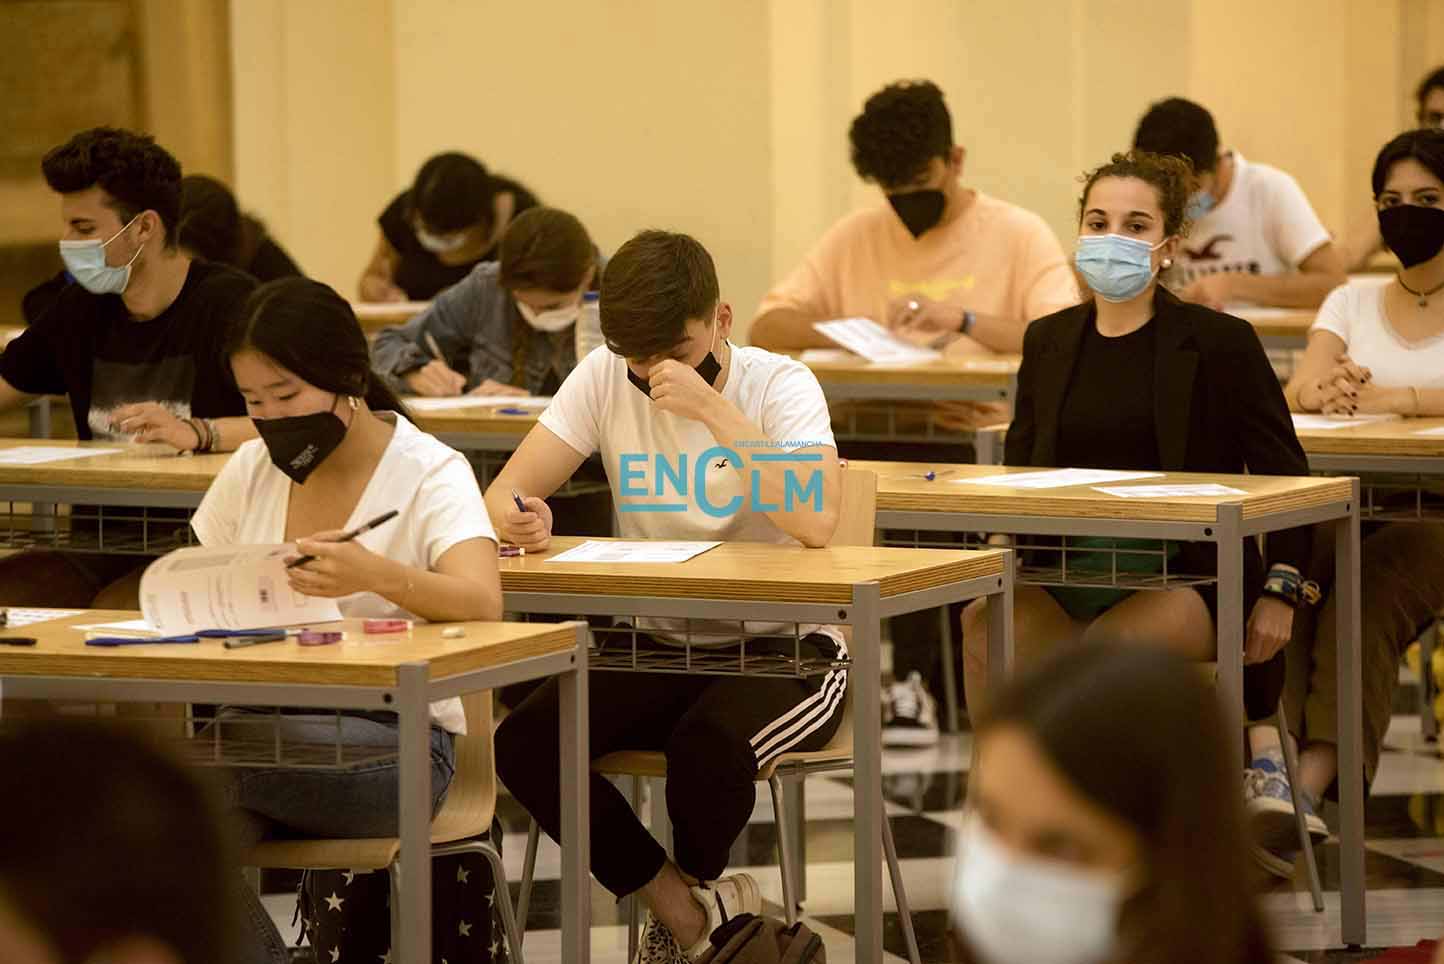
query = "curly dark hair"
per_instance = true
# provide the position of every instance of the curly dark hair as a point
(1178, 126)
(132, 169)
(901, 128)
(1170, 176)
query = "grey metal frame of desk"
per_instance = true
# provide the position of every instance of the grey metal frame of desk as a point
(865, 616)
(409, 699)
(905, 392)
(1228, 532)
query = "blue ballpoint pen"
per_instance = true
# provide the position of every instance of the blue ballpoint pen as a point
(140, 640)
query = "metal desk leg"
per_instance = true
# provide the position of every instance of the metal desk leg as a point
(1230, 628)
(40, 418)
(1351, 727)
(1000, 627)
(795, 804)
(950, 679)
(576, 839)
(866, 681)
(414, 904)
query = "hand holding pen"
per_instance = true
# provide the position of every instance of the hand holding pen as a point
(334, 564)
(436, 378)
(527, 522)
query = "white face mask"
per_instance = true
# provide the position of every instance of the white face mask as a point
(1014, 909)
(551, 320)
(85, 260)
(439, 243)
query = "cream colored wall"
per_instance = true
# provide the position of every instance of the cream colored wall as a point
(728, 118)
(315, 126)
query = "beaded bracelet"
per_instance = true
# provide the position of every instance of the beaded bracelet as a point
(1291, 588)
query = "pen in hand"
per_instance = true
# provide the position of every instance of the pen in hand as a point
(347, 537)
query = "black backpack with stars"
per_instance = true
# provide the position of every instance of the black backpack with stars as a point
(346, 915)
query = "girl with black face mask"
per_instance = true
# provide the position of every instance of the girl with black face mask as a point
(335, 451)
(1375, 349)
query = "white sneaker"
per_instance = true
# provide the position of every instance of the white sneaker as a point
(910, 714)
(723, 900)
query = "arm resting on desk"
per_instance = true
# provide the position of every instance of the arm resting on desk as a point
(787, 329)
(1320, 273)
(540, 466)
(378, 281)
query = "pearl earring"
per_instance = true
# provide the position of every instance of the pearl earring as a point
(1166, 263)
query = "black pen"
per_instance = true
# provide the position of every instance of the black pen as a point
(358, 531)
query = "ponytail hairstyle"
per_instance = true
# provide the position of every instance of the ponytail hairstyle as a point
(308, 329)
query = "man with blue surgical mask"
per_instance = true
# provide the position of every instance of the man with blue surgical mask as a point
(1253, 239)
(132, 340)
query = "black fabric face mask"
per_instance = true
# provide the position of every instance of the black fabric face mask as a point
(299, 443)
(919, 211)
(1412, 232)
(709, 368)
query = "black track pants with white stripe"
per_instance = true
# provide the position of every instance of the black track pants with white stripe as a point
(717, 733)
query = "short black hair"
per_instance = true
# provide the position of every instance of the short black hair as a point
(653, 286)
(136, 172)
(106, 837)
(210, 219)
(453, 192)
(1180, 127)
(901, 128)
(1425, 146)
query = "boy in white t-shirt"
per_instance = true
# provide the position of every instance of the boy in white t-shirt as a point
(670, 396)
(1254, 237)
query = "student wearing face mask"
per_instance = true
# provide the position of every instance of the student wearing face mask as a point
(1137, 379)
(509, 326)
(673, 387)
(938, 261)
(132, 341)
(335, 450)
(1255, 239)
(1067, 856)
(436, 231)
(1374, 349)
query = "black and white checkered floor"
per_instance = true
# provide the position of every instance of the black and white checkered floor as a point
(925, 789)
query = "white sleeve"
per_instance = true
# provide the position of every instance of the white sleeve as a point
(218, 518)
(1337, 313)
(794, 412)
(575, 414)
(1293, 227)
(448, 510)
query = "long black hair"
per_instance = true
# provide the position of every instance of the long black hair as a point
(1135, 730)
(307, 328)
(1425, 145)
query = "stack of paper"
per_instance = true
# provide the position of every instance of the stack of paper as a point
(1057, 478)
(622, 551)
(1206, 489)
(872, 341)
(40, 454)
(1327, 423)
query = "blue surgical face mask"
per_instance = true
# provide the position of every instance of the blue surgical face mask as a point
(1200, 204)
(1115, 267)
(85, 260)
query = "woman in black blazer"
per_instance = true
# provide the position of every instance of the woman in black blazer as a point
(1136, 379)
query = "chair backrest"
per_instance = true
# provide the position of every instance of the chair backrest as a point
(471, 801)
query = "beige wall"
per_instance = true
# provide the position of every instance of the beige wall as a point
(728, 118)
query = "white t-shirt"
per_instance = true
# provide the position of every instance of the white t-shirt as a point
(431, 486)
(1264, 226)
(1355, 312)
(598, 409)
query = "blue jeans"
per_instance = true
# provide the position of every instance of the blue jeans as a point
(355, 802)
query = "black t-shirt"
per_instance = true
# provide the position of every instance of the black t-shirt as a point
(88, 346)
(420, 273)
(270, 261)
(1107, 420)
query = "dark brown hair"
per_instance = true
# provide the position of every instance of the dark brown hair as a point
(1135, 730)
(1170, 176)
(135, 172)
(308, 329)
(653, 286)
(546, 248)
(105, 837)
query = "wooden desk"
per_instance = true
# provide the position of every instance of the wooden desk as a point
(907, 501)
(389, 673)
(150, 475)
(1391, 446)
(375, 316)
(857, 586)
(473, 429)
(1284, 328)
(945, 379)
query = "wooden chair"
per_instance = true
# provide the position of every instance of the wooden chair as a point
(465, 815)
(855, 527)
